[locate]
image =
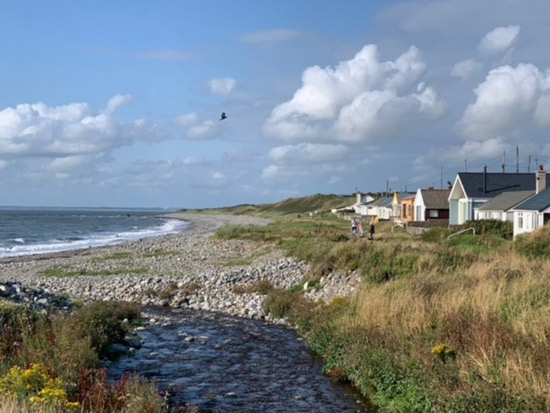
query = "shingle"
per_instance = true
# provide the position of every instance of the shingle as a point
(436, 198)
(506, 200)
(539, 202)
(497, 183)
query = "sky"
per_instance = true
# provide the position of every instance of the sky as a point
(118, 104)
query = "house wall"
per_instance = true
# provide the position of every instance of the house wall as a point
(441, 214)
(453, 212)
(525, 221)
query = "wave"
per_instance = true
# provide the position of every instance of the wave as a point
(93, 240)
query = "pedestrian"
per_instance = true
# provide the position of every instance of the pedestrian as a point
(361, 229)
(371, 231)
(354, 227)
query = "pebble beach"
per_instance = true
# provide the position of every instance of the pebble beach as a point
(190, 269)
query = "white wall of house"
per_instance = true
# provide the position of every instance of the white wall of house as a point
(384, 212)
(500, 215)
(419, 207)
(526, 221)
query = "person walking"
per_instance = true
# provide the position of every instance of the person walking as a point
(353, 227)
(371, 230)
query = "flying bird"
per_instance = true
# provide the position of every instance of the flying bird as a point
(224, 116)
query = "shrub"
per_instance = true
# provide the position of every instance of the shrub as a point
(504, 229)
(101, 322)
(535, 244)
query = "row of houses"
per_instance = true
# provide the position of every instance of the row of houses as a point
(522, 198)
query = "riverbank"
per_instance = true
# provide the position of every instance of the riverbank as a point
(190, 269)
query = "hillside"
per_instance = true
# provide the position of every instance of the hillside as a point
(304, 205)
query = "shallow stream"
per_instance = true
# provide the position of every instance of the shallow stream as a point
(221, 363)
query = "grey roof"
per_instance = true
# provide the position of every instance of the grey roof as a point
(497, 183)
(539, 202)
(436, 198)
(406, 195)
(506, 200)
(386, 202)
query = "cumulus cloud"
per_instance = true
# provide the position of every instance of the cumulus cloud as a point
(360, 99)
(222, 86)
(218, 175)
(195, 128)
(117, 101)
(271, 36)
(465, 68)
(37, 130)
(499, 39)
(508, 100)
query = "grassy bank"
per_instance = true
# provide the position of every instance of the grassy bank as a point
(459, 325)
(50, 362)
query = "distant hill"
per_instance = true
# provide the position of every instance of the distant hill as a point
(303, 205)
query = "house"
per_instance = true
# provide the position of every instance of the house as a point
(534, 213)
(359, 207)
(472, 189)
(430, 204)
(501, 206)
(397, 199)
(407, 209)
(381, 208)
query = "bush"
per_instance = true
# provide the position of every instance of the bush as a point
(504, 229)
(101, 322)
(536, 244)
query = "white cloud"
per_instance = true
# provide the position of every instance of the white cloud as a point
(218, 175)
(195, 128)
(307, 152)
(186, 119)
(272, 36)
(465, 68)
(508, 100)
(360, 99)
(37, 130)
(117, 101)
(499, 39)
(222, 86)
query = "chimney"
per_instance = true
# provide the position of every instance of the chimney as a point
(358, 198)
(485, 179)
(541, 179)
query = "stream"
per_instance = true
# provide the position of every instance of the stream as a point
(222, 363)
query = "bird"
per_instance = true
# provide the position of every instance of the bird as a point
(224, 116)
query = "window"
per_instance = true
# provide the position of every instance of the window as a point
(520, 220)
(434, 213)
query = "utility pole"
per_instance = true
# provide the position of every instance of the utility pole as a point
(517, 159)
(504, 163)
(441, 184)
(465, 165)
(529, 165)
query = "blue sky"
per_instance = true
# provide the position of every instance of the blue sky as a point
(117, 103)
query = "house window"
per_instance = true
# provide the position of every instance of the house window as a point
(520, 220)
(434, 213)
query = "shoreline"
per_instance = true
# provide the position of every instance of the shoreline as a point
(189, 269)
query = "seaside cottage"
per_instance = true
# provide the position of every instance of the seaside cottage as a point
(501, 206)
(431, 204)
(407, 209)
(534, 212)
(472, 189)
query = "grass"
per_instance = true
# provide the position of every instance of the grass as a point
(49, 362)
(438, 325)
(61, 271)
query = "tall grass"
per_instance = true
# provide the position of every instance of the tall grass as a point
(437, 325)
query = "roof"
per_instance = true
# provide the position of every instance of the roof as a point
(382, 202)
(436, 198)
(506, 201)
(497, 183)
(539, 202)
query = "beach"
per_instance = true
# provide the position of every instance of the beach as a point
(190, 269)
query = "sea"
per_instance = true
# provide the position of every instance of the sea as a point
(26, 231)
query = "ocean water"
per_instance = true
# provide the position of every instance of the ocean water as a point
(25, 231)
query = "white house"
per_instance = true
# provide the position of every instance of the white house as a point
(501, 206)
(534, 212)
(430, 204)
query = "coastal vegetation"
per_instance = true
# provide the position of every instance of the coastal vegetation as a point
(438, 325)
(51, 362)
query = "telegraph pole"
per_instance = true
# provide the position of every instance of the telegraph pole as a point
(517, 159)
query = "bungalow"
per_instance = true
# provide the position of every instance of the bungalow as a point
(472, 189)
(501, 206)
(359, 207)
(407, 210)
(534, 212)
(430, 204)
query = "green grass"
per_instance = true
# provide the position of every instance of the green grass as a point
(61, 271)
